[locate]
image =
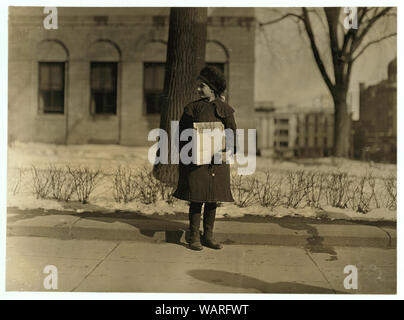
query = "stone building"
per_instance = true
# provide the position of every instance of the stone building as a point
(97, 77)
(375, 134)
(315, 134)
(295, 131)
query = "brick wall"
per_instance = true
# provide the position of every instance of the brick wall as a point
(129, 37)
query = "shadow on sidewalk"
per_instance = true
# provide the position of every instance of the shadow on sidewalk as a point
(148, 226)
(237, 280)
(314, 242)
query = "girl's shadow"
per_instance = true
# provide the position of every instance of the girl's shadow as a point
(237, 280)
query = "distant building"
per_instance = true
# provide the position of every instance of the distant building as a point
(315, 134)
(375, 134)
(98, 77)
(294, 131)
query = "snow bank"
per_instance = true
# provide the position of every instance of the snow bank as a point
(107, 158)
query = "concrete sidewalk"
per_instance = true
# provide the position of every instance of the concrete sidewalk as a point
(136, 227)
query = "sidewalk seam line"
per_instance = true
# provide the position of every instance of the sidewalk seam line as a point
(321, 272)
(11, 232)
(96, 266)
(71, 227)
(389, 245)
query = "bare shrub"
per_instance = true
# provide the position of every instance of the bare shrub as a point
(15, 181)
(337, 189)
(315, 188)
(124, 185)
(84, 180)
(148, 186)
(166, 192)
(61, 183)
(358, 199)
(269, 192)
(296, 189)
(372, 185)
(129, 185)
(390, 185)
(243, 190)
(41, 182)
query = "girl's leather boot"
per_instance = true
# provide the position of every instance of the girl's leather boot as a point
(209, 216)
(194, 223)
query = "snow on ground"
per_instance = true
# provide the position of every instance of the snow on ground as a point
(109, 157)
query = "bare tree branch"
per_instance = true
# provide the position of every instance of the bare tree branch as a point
(392, 14)
(332, 15)
(376, 12)
(350, 35)
(362, 12)
(346, 46)
(372, 43)
(318, 15)
(316, 53)
(347, 75)
(261, 24)
(361, 35)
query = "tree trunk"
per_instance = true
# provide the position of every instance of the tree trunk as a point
(185, 58)
(342, 124)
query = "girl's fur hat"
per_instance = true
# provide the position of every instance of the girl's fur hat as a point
(214, 78)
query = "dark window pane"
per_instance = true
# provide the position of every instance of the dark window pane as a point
(99, 102)
(56, 75)
(148, 79)
(220, 66)
(153, 102)
(153, 79)
(44, 76)
(51, 87)
(154, 76)
(45, 98)
(58, 100)
(103, 76)
(110, 103)
(104, 102)
(104, 87)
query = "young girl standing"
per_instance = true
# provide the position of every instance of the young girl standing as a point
(209, 183)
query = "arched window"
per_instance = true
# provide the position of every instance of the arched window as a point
(104, 61)
(52, 57)
(217, 55)
(154, 56)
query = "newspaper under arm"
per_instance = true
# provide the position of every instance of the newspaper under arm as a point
(210, 143)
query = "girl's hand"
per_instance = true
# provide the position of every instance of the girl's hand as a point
(223, 157)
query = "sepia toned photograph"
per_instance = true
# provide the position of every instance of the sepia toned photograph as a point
(202, 150)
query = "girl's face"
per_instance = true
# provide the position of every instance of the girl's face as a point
(205, 91)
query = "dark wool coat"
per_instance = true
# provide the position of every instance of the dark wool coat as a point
(210, 182)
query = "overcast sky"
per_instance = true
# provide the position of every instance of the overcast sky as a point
(285, 69)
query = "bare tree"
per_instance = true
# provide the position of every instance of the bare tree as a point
(346, 46)
(185, 58)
